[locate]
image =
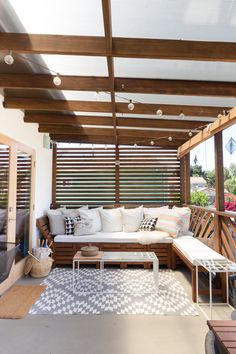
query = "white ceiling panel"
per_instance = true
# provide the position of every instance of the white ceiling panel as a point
(87, 96)
(73, 17)
(92, 114)
(175, 19)
(177, 99)
(175, 69)
(164, 117)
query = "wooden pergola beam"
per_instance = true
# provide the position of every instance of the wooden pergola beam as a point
(136, 133)
(76, 138)
(103, 84)
(106, 107)
(122, 47)
(212, 129)
(69, 119)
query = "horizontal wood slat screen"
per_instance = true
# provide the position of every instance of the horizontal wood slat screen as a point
(4, 176)
(149, 175)
(23, 180)
(87, 175)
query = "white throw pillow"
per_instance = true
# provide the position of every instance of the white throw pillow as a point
(94, 215)
(111, 220)
(154, 212)
(132, 218)
(83, 227)
(185, 212)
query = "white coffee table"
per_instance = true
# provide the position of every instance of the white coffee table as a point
(112, 257)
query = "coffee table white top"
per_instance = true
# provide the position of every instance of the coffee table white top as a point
(217, 265)
(129, 256)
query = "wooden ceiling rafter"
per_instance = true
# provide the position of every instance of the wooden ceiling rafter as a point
(69, 119)
(122, 47)
(42, 104)
(106, 8)
(110, 140)
(126, 85)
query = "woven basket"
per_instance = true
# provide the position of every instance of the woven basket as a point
(41, 268)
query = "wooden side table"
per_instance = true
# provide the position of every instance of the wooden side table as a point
(78, 257)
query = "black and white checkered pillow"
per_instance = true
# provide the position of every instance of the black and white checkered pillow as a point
(69, 224)
(148, 224)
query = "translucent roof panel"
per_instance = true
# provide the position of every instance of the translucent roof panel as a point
(73, 17)
(175, 69)
(76, 65)
(164, 117)
(87, 96)
(175, 19)
(177, 99)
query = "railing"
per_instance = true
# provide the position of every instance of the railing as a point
(215, 228)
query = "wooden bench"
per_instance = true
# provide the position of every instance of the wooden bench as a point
(63, 252)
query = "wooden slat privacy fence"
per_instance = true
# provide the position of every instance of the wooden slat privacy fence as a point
(215, 228)
(4, 176)
(23, 181)
(99, 175)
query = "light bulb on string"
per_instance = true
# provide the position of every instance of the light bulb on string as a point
(181, 116)
(57, 80)
(159, 112)
(131, 105)
(8, 59)
(135, 145)
(170, 138)
(152, 142)
(190, 133)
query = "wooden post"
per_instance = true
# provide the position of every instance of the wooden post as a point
(54, 174)
(185, 179)
(117, 176)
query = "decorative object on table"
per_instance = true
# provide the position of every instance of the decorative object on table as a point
(89, 251)
(124, 291)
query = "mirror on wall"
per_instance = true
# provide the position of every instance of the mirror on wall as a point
(23, 193)
(4, 181)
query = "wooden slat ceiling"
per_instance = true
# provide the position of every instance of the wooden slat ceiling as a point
(111, 122)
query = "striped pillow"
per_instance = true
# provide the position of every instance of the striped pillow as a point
(170, 222)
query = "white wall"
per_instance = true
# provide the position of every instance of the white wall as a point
(12, 125)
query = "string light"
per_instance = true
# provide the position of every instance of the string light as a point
(190, 133)
(170, 138)
(57, 80)
(135, 145)
(131, 105)
(8, 59)
(181, 116)
(159, 112)
(152, 142)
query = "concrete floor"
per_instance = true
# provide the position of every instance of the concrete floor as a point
(107, 334)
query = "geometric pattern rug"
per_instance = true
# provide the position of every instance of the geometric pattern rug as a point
(118, 291)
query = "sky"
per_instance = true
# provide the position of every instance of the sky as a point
(205, 151)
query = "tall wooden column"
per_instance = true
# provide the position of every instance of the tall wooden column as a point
(54, 174)
(219, 187)
(185, 179)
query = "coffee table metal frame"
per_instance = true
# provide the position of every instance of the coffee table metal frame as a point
(124, 257)
(214, 266)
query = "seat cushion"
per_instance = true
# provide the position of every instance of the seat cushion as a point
(194, 249)
(116, 237)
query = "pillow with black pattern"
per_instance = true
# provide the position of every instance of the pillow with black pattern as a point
(148, 224)
(69, 224)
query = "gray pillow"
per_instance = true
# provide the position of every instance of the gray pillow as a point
(83, 227)
(57, 224)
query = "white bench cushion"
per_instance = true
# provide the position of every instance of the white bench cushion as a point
(116, 237)
(194, 249)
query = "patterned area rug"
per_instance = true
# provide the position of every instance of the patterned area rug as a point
(118, 291)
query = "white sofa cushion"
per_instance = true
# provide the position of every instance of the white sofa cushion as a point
(83, 227)
(194, 249)
(117, 237)
(111, 220)
(94, 215)
(132, 218)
